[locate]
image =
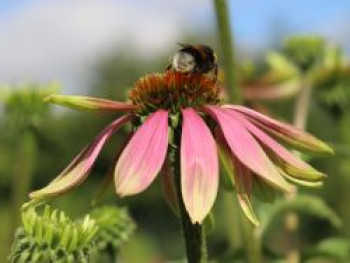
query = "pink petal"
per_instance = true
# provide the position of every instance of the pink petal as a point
(292, 164)
(286, 132)
(80, 167)
(246, 148)
(199, 166)
(90, 104)
(144, 155)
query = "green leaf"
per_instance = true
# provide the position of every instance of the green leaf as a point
(38, 230)
(49, 234)
(278, 62)
(74, 240)
(332, 248)
(304, 51)
(65, 236)
(115, 227)
(301, 204)
(333, 57)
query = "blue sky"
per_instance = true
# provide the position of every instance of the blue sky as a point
(7, 5)
(253, 18)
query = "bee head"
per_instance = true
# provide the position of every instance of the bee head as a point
(183, 62)
(194, 58)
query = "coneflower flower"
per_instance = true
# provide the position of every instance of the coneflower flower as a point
(191, 104)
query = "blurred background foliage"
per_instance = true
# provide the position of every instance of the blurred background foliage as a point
(38, 140)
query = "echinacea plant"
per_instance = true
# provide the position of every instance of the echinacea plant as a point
(49, 235)
(179, 118)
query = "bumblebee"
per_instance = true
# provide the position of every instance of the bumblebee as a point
(194, 59)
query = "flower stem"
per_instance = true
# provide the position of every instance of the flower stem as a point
(301, 109)
(291, 220)
(227, 53)
(26, 158)
(234, 95)
(252, 244)
(233, 221)
(194, 235)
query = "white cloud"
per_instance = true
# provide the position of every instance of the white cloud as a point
(55, 39)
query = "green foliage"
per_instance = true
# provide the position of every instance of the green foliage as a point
(325, 67)
(334, 248)
(280, 63)
(334, 91)
(115, 227)
(301, 204)
(53, 237)
(300, 56)
(304, 51)
(25, 106)
(25, 114)
(332, 81)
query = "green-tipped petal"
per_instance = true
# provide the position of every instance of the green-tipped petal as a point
(291, 164)
(295, 137)
(79, 168)
(239, 177)
(302, 182)
(90, 104)
(244, 188)
(226, 176)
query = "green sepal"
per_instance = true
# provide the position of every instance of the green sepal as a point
(209, 224)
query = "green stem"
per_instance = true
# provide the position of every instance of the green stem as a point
(25, 161)
(291, 224)
(301, 109)
(227, 52)
(251, 241)
(194, 235)
(291, 220)
(233, 221)
(252, 244)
